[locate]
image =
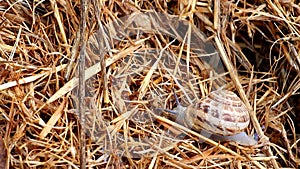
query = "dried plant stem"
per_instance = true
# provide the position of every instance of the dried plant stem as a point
(239, 87)
(234, 77)
(196, 134)
(103, 49)
(82, 85)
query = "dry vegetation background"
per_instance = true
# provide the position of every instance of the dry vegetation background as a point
(39, 51)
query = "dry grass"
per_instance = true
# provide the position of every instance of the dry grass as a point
(258, 43)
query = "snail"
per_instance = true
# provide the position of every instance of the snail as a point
(221, 115)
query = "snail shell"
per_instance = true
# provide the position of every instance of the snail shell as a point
(220, 113)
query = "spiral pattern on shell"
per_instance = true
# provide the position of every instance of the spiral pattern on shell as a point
(222, 112)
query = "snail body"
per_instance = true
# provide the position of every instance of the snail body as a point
(221, 113)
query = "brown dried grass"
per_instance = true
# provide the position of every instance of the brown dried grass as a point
(259, 46)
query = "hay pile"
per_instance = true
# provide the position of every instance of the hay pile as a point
(258, 44)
